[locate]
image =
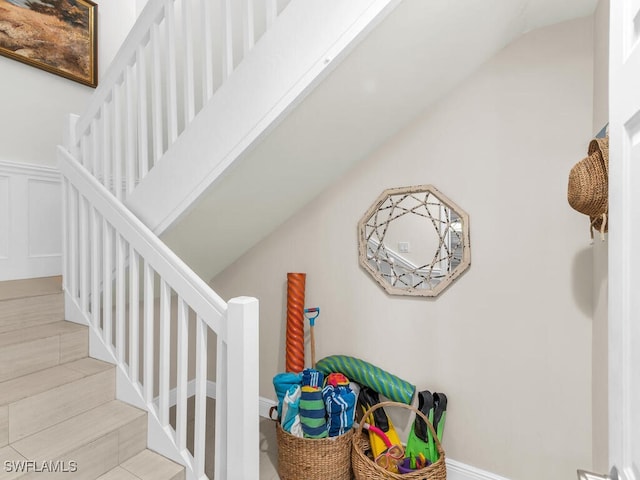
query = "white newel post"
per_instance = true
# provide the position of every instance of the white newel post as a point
(242, 389)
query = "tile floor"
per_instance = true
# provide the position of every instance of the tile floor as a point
(268, 450)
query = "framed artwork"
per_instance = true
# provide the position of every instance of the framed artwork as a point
(59, 36)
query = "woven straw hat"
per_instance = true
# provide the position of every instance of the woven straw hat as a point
(588, 190)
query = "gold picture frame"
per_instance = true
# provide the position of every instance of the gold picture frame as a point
(59, 36)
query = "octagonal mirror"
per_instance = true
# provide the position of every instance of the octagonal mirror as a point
(414, 241)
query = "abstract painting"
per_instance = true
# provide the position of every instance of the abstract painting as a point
(58, 36)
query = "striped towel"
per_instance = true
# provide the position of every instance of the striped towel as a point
(282, 382)
(339, 402)
(312, 414)
(290, 412)
(312, 378)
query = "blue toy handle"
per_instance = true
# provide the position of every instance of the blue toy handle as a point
(312, 320)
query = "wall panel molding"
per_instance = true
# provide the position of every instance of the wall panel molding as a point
(30, 221)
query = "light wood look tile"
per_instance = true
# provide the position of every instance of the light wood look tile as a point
(132, 439)
(148, 465)
(26, 312)
(74, 346)
(37, 412)
(8, 454)
(92, 460)
(88, 366)
(118, 473)
(34, 383)
(28, 357)
(41, 331)
(29, 288)
(4, 426)
(67, 436)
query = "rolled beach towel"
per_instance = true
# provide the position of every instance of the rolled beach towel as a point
(282, 382)
(312, 413)
(339, 403)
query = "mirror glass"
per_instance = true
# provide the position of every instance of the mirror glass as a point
(414, 241)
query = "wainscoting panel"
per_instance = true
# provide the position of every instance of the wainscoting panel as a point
(30, 221)
(4, 217)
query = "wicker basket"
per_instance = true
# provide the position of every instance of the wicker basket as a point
(311, 459)
(366, 469)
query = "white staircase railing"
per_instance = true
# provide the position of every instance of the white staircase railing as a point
(113, 267)
(178, 54)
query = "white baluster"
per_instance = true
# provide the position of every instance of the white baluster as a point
(248, 31)
(172, 84)
(201, 401)
(207, 49)
(73, 241)
(227, 39)
(131, 130)
(222, 410)
(143, 129)
(106, 147)
(65, 234)
(95, 267)
(189, 80)
(156, 106)
(84, 240)
(165, 352)
(120, 298)
(117, 140)
(134, 314)
(96, 151)
(182, 374)
(107, 301)
(149, 276)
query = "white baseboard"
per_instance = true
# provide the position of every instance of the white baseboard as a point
(460, 471)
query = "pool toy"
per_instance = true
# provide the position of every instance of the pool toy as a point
(369, 375)
(295, 322)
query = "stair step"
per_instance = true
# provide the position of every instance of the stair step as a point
(31, 287)
(26, 312)
(35, 348)
(8, 454)
(70, 393)
(97, 440)
(148, 465)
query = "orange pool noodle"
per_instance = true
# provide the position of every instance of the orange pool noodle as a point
(295, 322)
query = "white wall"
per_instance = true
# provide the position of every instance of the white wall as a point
(510, 341)
(35, 104)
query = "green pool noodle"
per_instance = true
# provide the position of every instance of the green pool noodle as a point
(364, 373)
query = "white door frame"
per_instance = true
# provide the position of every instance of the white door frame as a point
(624, 240)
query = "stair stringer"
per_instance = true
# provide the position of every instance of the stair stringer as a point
(158, 439)
(309, 40)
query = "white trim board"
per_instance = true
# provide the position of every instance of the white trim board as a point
(30, 169)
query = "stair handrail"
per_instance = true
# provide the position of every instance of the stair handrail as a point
(95, 225)
(168, 67)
